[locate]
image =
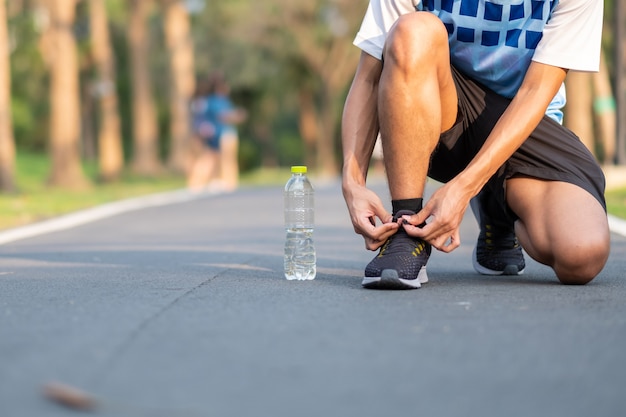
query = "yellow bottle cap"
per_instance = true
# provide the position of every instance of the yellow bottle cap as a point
(298, 169)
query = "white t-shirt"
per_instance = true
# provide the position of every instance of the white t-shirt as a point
(494, 41)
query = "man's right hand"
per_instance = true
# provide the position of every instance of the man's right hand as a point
(366, 212)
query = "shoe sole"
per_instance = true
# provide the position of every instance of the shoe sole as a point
(389, 280)
(508, 270)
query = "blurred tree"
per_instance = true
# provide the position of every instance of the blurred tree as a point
(318, 34)
(59, 46)
(145, 128)
(7, 143)
(619, 55)
(110, 155)
(578, 117)
(308, 123)
(605, 112)
(29, 75)
(182, 80)
(588, 95)
(295, 60)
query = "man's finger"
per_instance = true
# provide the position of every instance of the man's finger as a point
(418, 218)
(375, 236)
(446, 242)
(427, 232)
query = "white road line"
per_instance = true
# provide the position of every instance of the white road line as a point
(617, 225)
(96, 213)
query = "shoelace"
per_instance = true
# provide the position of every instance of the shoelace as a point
(419, 245)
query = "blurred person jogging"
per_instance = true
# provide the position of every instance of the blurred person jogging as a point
(214, 120)
(469, 93)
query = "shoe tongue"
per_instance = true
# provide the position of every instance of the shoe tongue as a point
(401, 213)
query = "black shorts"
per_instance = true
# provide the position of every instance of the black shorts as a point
(551, 153)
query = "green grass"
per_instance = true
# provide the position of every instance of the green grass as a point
(35, 201)
(616, 202)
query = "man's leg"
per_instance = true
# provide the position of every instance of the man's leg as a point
(229, 165)
(417, 101)
(202, 170)
(560, 225)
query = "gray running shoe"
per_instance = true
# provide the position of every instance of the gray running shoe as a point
(497, 250)
(400, 264)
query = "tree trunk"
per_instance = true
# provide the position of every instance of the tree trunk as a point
(64, 98)
(619, 55)
(604, 106)
(308, 124)
(110, 154)
(332, 60)
(145, 131)
(326, 160)
(7, 141)
(578, 111)
(181, 56)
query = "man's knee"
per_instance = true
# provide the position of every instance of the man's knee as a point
(583, 261)
(416, 37)
(574, 242)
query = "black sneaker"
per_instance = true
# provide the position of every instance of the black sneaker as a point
(400, 264)
(497, 250)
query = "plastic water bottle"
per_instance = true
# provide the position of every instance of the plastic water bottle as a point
(299, 222)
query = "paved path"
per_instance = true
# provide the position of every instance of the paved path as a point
(181, 309)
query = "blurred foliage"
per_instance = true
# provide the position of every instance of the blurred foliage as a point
(35, 201)
(608, 41)
(616, 202)
(263, 65)
(29, 83)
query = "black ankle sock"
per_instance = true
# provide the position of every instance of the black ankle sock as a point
(413, 204)
(493, 212)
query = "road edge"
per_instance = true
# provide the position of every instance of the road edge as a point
(80, 217)
(68, 221)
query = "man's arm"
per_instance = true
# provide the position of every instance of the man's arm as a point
(448, 204)
(360, 120)
(359, 132)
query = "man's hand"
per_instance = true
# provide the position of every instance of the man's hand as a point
(443, 214)
(365, 208)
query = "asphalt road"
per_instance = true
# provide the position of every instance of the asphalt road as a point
(182, 309)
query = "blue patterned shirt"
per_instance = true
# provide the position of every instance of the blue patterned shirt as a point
(494, 41)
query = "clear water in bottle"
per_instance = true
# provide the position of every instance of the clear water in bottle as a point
(300, 260)
(299, 254)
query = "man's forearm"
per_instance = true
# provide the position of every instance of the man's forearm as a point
(359, 127)
(359, 131)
